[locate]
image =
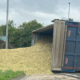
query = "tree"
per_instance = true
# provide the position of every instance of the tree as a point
(11, 29)
(11, 23)
(3, 27)
(70, 19)
(15, 38)
(22, 35)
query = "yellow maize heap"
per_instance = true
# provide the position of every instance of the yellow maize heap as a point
(32, 60)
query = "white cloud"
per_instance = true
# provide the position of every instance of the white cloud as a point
(2, 18)
(75, 14)
(26, 10)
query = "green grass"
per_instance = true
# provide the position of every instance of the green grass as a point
(9, 74)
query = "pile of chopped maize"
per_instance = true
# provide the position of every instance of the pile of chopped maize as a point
(32, 60)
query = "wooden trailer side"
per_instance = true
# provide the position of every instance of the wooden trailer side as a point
(59, 34)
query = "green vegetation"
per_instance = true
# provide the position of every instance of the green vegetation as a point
(20, 36)
(9, 74)
(70, 19)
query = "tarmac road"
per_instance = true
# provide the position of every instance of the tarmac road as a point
(56, 76)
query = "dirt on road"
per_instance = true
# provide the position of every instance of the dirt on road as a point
(54, 77)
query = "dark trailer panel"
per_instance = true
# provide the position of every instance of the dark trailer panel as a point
(72, 47)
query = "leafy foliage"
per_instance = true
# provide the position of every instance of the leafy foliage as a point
(26, 32)
(21, 36)
(70, 19)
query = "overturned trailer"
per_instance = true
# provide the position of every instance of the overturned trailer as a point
(65, 45)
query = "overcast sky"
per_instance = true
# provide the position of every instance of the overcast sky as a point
(42, 10)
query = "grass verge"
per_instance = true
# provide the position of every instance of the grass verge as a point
(9, 74)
